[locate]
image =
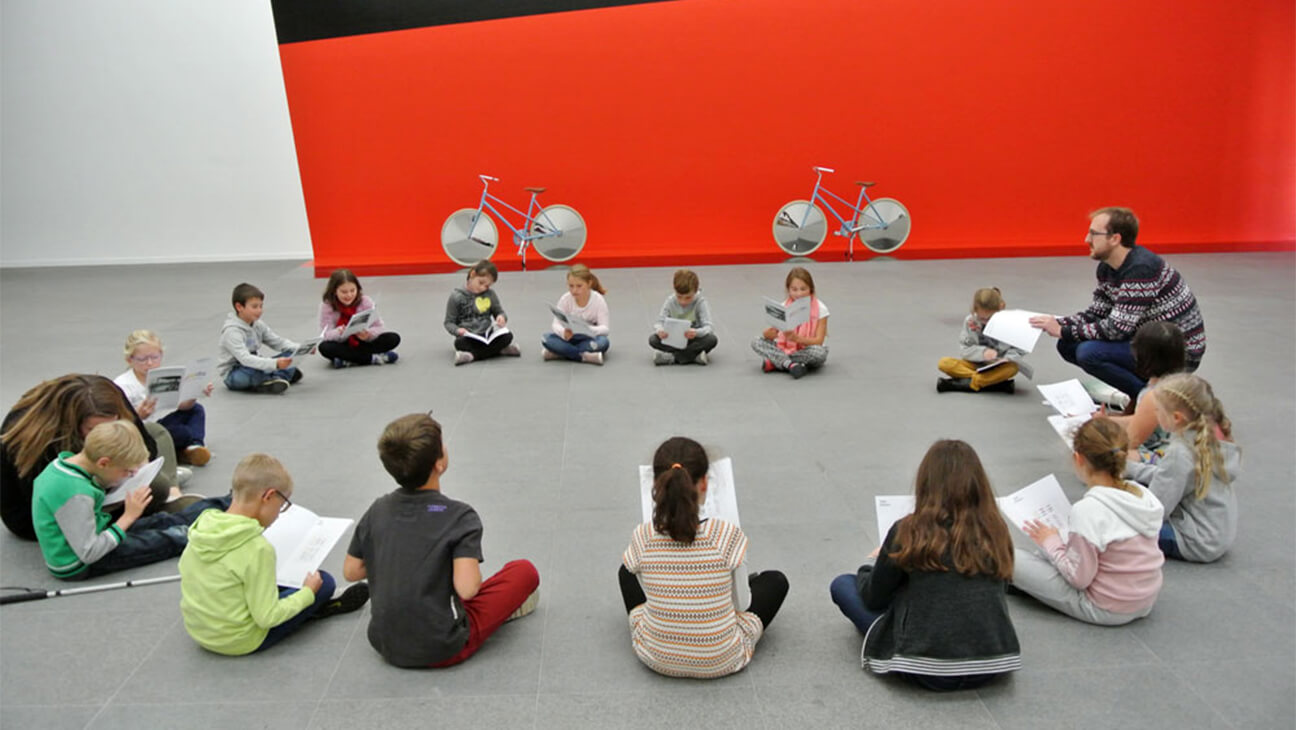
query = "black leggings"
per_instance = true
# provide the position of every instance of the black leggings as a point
(768, 589)
(480, 350)
(361, 354)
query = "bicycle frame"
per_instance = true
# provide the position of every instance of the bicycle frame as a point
(521, 236)
(846, 228)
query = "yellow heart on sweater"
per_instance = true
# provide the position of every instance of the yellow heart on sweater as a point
(483, 305)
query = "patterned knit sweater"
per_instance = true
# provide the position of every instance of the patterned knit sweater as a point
(689, 626)
(1144, 289)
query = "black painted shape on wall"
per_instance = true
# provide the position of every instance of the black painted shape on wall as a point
(309, 20)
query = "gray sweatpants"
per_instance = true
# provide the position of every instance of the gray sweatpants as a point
(1035, 574)
(812, 356)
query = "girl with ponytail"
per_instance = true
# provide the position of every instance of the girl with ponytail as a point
(1196, 476)
(694, 612)
(1108, 572)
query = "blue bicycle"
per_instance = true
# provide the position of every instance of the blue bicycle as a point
(882, 225)
(469, 235)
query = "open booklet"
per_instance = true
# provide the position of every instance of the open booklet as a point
(721, 501)
(1023, 368)
(305, 347)
(1069, 398)
(359, 322)
(1041, 500)
(576, 324)
(302, 539)
(676, 331)
(490, 336)
(1013, 327)
(786, 317)
(145, 475)
(173, 385)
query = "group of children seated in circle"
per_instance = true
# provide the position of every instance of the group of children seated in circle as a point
(1160, 482)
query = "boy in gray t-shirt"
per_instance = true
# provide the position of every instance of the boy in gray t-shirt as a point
(688, 304)
(420, 552)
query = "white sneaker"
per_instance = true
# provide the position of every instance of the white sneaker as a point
(663, 358)
(593, 358)
(183, 475)
(702, 359)
(463, 358)
(511, 351)
(527, 606)
(550, 355)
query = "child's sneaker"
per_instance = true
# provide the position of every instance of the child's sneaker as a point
(197, 454)
(951, 385)
(273, 385)
(702, 359)
(798, 370)
(338, 363)
(511, 351)
(390, 356)
(1006, 386)
(550, 355)
(183, 475)
(463, 358)
(355, 596)
(767, 366)
(663, 358)
(593, 358)
(296, 376)
(527, 606)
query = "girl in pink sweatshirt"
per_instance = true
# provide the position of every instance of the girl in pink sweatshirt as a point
(1108, 571)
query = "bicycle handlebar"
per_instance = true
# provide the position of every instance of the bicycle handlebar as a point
(484, 178)
(823, 169)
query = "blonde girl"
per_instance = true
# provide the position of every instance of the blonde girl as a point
(1108, 572)
(1196, 478)
(187, 424)
(802, 349)
(583, 300)
(979, 350)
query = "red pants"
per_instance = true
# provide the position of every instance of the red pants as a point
(496, 600)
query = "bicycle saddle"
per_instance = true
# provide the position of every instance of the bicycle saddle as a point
(537, 191)
(865, 184)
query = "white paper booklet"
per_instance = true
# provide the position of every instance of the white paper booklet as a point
(302, 539)
(575, 324)
(305, 347)
(1066, 426)
(722, 499)
(1042, 500)
(1026, 370)
(890, 510)
(145, 475)
(1013, 327)
(1068, 398)
(675, 332)
(359, 322)
(490, 335)
(784, 318)
(175, 384)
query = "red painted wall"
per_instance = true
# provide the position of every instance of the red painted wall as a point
(678, 129)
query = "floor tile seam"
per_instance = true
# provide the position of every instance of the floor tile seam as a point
(544, 628)
(1219, 712)
(161, 637)
(326, 686)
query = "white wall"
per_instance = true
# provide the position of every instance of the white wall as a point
(139, 131)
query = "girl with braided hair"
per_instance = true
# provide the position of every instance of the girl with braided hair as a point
(1196, 477)
(1108, 571)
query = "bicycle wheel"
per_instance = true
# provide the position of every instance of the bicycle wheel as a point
(800, 227)
(468, 237)
(570, 228)
(888, 222)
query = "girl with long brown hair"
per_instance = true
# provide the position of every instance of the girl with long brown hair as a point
(932, 606)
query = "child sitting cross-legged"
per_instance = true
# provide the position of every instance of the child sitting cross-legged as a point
(228, 594)
(420, 551)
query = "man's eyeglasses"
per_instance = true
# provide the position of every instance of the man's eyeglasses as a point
(1097, 234)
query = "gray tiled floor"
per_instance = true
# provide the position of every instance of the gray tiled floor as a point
(547, 454)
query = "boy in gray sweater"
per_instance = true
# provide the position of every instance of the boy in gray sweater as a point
(691, 344)
(241, 367)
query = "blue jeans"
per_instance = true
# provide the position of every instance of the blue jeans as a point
(187, 428)
(1110, 362)
(1167, 542)
(154, 538)
(280, 632)
(578, 344)
(243, 377)
(847, 598)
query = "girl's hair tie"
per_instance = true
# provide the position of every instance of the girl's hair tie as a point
(1117, 451)
(677, 465)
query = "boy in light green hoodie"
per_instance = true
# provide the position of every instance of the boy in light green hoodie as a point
(228, 596)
